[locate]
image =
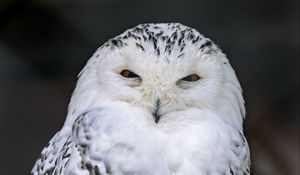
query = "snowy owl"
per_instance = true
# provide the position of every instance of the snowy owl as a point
(159, 99)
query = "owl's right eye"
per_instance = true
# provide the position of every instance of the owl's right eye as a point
(128, 74)
(191, 78)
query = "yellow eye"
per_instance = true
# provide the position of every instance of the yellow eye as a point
(128, 74)
(192, 77)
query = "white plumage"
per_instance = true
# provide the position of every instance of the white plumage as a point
(159, 99)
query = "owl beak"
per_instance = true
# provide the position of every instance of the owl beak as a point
(155, 114)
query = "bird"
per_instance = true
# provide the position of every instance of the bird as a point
(158, 99)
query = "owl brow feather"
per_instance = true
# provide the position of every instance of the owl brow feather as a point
(162, 38)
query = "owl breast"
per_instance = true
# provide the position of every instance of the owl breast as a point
(130, 144)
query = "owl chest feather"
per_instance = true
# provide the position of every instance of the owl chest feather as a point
(137, 146)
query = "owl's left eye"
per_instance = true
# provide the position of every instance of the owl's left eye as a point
(192, 77)
(128, 74)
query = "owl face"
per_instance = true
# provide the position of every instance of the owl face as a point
(158, 85)
(162, 69)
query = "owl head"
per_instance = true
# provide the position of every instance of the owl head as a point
(167, 70)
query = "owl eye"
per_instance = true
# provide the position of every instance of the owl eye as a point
(192, 77)
(128, 74)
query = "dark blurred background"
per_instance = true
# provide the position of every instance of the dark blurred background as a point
(45, 43)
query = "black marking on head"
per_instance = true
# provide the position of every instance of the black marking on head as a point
(66, 154)
(180, 39)
(117, 42)
(206, 44)
(165, 38)
(154, 43)
(190, 36)
(157, 35)
(195, 40)
(167, 48)
(182, 47)
(174, 35)
(138, 30)
(114, 42)
(169, 41)
(180, 55)
(157, 51)
(156, 27)
(130, 35)
(140, 46)
(144, 37)
(150, 37)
